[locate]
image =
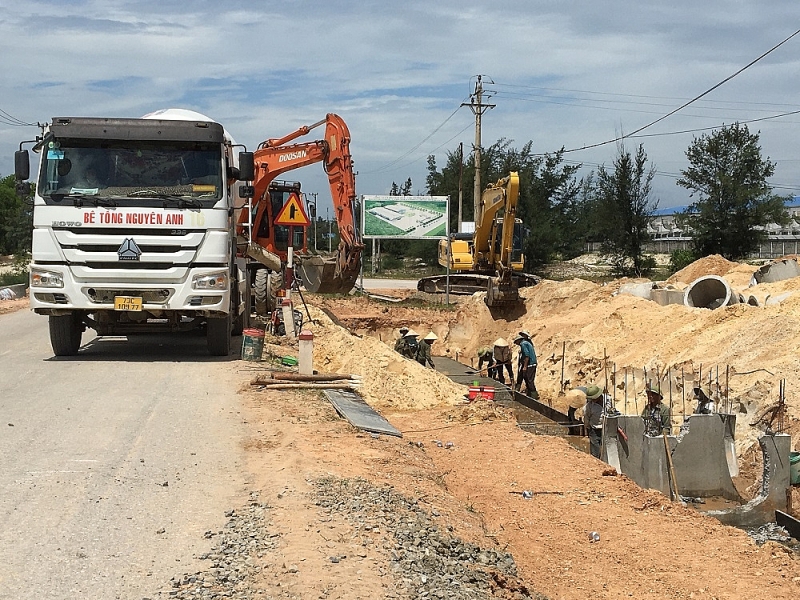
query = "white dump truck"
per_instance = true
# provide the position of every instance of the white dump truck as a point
(134, 227)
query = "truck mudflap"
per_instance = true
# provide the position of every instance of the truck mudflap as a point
(322, 275)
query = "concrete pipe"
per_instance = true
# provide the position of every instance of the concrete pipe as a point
(711, 292)
(753, 301)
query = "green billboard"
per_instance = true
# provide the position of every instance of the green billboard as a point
(405, 217)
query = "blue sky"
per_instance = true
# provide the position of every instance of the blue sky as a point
(569, 73)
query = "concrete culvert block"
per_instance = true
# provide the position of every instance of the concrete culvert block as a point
(641, 290)
(753, 301)
(776, 299)
(777, 271)
(710, 291)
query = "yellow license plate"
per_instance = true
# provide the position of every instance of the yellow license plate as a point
(127, 303)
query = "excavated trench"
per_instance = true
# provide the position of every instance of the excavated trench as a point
(464, 330)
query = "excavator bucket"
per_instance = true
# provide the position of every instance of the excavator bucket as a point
(320, 276)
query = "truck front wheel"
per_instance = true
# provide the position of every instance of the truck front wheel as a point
(218, 335)
(65, 334)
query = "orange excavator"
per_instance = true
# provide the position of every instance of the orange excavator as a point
(267, 242)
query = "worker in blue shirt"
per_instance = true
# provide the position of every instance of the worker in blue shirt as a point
(527, 364)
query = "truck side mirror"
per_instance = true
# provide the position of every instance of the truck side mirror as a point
(247, 166)
(312, 208)
(247, 191)
(22, 165)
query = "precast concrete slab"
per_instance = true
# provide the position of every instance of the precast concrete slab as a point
(775, 481)
(705, 459)
(665, 296)
(358, 413)
(641, 289)
(702, 456)
(776, 271)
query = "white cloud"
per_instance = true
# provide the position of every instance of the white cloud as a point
(396, 71)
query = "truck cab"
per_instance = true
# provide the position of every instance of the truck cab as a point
(133, 227)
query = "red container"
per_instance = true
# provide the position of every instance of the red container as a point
(485, 392)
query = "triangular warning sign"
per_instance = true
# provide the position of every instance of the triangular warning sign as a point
(292, 212)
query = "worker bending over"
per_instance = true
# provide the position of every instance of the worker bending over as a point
(400, 344)
(424, 350)
(502, 357)
(486, 355)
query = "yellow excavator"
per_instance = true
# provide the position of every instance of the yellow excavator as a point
(490, 259)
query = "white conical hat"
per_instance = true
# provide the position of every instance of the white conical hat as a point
(576, 398)
(411, 333)
(500, 342)
(431, 337)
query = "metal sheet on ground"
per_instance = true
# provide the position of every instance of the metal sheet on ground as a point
(358, 413)
(789, 523)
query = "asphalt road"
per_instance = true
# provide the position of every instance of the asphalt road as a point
(388, 284)
(114, 462)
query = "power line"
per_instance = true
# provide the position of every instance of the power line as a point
(9, 119)
(685, 104)
(645, 96)
(388, 165)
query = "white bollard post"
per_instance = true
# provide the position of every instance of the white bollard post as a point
(288, 318)
(306, 358)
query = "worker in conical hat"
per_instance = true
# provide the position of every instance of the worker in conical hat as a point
(424, 350)
(657, 415)
(401, 342)
(527, 365)
(486, 355)
(411, 345)
(502, 357)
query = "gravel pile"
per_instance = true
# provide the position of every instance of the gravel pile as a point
(769, 532)
(233, 558)
(426, 563)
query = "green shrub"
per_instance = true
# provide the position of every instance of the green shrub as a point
(680, 259)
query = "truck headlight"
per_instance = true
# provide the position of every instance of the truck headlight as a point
(50, 279)
(211, 281)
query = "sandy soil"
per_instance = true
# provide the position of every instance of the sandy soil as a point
(591, 334)
(649, 547)
(8, 306)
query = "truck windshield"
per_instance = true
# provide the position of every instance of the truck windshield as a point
(133, 173)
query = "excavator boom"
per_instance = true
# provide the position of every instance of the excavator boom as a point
(276, 156)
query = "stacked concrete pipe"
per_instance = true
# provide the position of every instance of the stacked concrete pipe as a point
(710, 291)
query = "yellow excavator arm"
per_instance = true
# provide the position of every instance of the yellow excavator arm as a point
(486, 260)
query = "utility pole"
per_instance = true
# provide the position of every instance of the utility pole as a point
(315, 219)
(478, 108)
(328, 219)
(460, 184)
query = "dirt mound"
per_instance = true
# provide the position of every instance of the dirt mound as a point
(708, 265)
(479, 411)
(388, 378)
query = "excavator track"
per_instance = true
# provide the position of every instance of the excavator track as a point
(469, 283)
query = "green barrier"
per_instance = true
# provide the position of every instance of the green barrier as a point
(794, 467)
